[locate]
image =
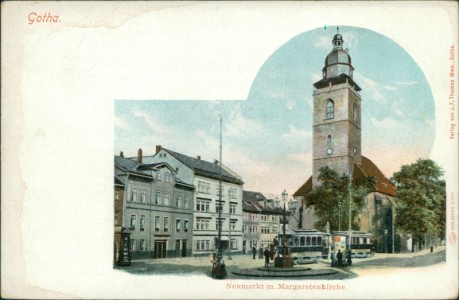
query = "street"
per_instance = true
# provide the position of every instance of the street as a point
(201, 265)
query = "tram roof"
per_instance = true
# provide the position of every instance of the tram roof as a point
(356, 233)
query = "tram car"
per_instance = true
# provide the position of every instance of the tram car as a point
(361, 246)
(305, 245)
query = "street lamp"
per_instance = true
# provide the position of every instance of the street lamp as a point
(339, 212)
(349, 261)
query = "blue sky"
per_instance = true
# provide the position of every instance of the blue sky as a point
(267, 137)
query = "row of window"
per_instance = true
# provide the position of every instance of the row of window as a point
(249, 228)
(204, 188)
(161, 198)
(157, 223)
(142, 245)
(254, 217)
(330, 110)
(204, 206)
(167, 177)
(306, 241)
(204, 224)
(204, 245)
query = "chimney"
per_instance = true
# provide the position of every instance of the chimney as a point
(139, 156)
(198, 157)
(158, 148)
(121, 154)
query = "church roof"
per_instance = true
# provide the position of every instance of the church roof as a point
(305, 188)
(366, 169)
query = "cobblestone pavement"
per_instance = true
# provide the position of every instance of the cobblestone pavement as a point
(202, 265)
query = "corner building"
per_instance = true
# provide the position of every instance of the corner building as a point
(204, 176)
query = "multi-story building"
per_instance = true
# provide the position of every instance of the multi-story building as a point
(156, 211)
(261, 220)
(251, 224)
(206, 177)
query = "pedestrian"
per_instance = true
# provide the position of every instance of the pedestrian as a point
(333, 259)
(260, 253)
(267, 255)
(254, 251)
(340, 258)
(349, 258)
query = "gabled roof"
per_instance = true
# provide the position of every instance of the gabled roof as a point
(118, 182)
(131, 166)
(305, 188)
(366, 169)
(254, 202)
(204, 168)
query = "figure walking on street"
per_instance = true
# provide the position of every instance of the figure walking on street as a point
(340, 258)
(254, 251)
(260, 253)
(267, 255)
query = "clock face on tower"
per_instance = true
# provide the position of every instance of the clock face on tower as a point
(355, 150)
(329, 151)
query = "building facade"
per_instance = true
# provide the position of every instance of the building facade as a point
(209, 209)
(156, 210)
(262, 218)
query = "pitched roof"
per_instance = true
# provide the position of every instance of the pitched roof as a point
(252, 202)
(366, 169)
(305, 188)
(205, 168)
(383, 184)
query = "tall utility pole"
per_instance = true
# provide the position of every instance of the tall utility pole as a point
(219, 244)
(219, 269)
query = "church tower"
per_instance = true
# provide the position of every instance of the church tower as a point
(336, 120)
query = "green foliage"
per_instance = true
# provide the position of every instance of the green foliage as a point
(331, 199)
(421, 198)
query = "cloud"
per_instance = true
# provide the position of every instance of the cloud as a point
(122, 124)
(296, 134)
(302, 157)
(290, 104)
(237, 125)
(389, 87)
(386, 123)
(324, 41)
(371, 86)
(396, 107)
(350, 39)
(153, 123)
(406, 82)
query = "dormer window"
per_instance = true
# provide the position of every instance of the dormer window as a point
(330, 107)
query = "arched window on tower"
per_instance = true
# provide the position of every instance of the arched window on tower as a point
(354, 112)
(330, 109)
(329, 141)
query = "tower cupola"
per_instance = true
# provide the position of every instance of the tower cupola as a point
(338, 61)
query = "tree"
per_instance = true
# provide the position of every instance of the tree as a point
(421, 198)
(331, 199)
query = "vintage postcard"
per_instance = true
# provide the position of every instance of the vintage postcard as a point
(230, 150)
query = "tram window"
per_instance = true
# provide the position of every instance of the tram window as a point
(302, 240)
(308, 241)
(319, 240)
(314, 240)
